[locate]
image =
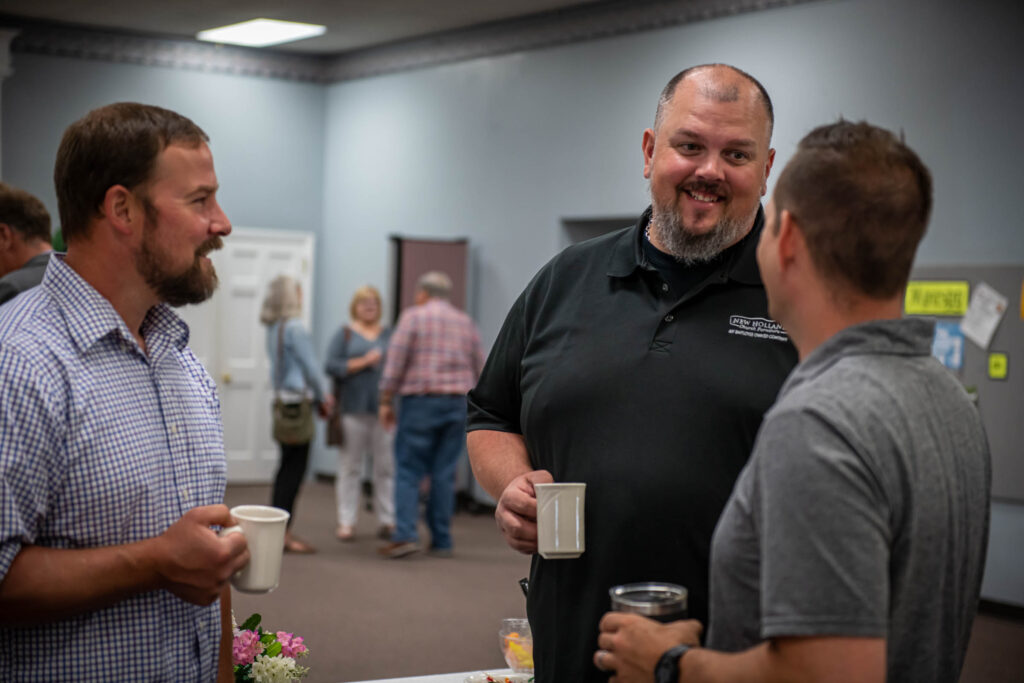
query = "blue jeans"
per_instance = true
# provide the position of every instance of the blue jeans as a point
(429, 440)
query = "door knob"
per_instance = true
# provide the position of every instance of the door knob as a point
(226, 378)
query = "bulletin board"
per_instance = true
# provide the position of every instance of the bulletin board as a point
(995, 374)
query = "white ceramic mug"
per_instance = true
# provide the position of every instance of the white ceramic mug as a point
(560, 529)
(263, 527)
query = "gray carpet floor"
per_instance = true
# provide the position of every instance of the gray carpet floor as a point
(365, 618)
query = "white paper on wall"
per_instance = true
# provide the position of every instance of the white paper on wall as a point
(984, 312)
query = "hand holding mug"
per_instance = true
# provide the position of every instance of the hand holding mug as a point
(191, 561)
(516, 513)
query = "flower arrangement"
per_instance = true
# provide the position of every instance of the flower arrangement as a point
(264, 656)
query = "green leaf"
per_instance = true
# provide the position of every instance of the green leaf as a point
(267, 639)
(273, 650)
(251, 623)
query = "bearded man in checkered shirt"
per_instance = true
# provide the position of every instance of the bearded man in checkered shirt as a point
(112, 468)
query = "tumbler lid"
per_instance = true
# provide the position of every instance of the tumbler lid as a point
(651, 598)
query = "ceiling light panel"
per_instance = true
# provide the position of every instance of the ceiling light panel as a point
(261, 32)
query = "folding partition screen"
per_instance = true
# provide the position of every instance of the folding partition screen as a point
(412, 257)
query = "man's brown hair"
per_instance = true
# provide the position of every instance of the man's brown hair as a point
(24, 213)
(862, 199)
(114, 145)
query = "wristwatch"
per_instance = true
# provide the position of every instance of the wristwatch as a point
(667, 670)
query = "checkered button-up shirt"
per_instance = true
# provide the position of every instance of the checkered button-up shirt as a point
(435, 349)
(101, 445)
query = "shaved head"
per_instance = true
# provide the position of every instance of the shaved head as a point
(721, 85)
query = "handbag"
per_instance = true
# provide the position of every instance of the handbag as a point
(292, 422)
(335, 427)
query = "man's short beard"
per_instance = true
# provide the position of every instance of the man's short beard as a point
(689, 248)
(192, 286)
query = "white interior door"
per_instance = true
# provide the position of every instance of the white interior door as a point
(230, 341)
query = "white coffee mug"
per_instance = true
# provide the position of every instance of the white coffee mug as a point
(560, 529)
(263, 527)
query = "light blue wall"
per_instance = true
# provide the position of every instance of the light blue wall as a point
(267, 136)
(503, 149)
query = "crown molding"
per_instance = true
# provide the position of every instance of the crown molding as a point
(538, 31)
(549, 29)
(173, 53)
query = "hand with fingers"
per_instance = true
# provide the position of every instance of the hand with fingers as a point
(631, 645)
(326, 406)
(516, 513)
(192, 561)
(372, 357)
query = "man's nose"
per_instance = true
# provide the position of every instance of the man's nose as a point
(711, 168)
(220, 224)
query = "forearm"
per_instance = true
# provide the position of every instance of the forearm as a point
(790, 660)
(497, 458)
(49, 584)
(700, 665)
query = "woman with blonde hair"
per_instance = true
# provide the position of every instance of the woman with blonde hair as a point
(354, 359)
(295, 378)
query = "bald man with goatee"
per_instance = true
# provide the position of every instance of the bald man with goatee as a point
(640, 363)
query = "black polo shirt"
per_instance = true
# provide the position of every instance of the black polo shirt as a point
(653, 398)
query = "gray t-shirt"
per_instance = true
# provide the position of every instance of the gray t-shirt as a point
(864, 508)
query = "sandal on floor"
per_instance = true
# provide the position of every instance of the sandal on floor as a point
(294, 545)
(345, 533)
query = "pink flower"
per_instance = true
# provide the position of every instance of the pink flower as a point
(245, 647)
(291, 645)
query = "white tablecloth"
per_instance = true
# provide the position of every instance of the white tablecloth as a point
(439, 678)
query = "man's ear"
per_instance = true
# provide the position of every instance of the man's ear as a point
(648, 149)
(122, 209)
(767, 171)
(791, 241)
(6, 236)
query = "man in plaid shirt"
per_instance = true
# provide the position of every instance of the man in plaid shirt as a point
(112, 468)
(434, 358)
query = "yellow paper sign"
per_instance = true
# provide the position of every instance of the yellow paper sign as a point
(998, 365)
(936, 297)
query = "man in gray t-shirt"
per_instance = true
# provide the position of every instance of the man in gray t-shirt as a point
(853, 545)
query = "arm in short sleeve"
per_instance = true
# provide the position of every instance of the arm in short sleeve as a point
(30, 447)
(824, 532)
(494, 404)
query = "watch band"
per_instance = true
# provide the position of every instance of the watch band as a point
(667, 670)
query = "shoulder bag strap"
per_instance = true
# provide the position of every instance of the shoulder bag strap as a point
(280, 357)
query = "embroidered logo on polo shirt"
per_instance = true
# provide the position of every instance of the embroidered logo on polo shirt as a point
(758, 328)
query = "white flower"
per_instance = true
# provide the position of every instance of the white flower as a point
(274, 669)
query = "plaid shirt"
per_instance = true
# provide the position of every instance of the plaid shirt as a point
(101, 445)
(435, 349)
